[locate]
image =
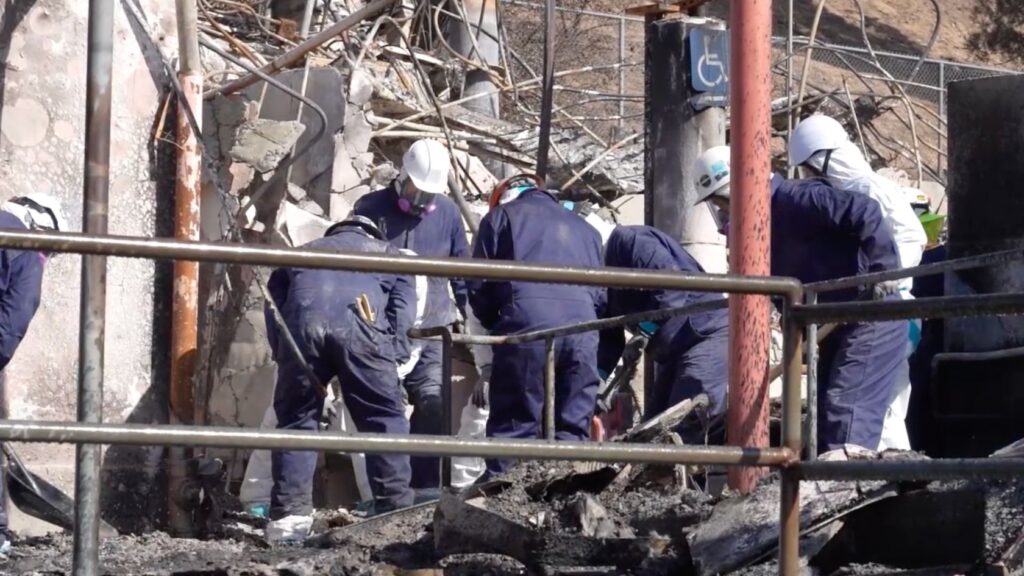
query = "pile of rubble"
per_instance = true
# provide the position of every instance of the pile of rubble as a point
(377, 95)
(566, 518)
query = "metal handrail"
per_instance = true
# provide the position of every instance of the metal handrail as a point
(795, 317)
(227, 437)
(437, 332)
(789, 288)
(237, 253)
(954, 265)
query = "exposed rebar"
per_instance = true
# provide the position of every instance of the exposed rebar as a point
(547, 90)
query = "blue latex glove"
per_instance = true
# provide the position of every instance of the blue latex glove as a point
(915, 334)
(649, 328)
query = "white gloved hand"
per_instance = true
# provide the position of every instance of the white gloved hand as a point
(882, 290)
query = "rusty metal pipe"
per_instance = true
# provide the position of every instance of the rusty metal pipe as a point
(569, 329)
(93, 309)
(789, 508)
(185, 299)
(750, 94)
(236, 253)
(547, 90)
(549, 388)
(231, 437)
(446, 406)
(812, 384)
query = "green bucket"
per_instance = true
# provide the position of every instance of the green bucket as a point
(932, 226)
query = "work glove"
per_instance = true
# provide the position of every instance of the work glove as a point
(634, 348)
(883, 290)
(480, 397)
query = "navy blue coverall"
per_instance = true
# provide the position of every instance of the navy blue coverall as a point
(691, 352)
(21, 284)
(822, 233)
(437, 234)
(536, 228)
(319, 308)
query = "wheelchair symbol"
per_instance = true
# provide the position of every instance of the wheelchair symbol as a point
(710, 68)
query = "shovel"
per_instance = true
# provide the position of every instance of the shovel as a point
(40, 499)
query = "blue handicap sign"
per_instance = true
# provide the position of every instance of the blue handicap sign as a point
(709, 67)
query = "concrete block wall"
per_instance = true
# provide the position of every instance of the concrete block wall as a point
(42, 117)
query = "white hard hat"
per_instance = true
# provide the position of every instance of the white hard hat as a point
(711, 173)
(426, 163)
(816, 133)
(45, 210)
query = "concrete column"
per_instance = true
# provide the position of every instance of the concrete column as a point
(476, 40)
(675, 134)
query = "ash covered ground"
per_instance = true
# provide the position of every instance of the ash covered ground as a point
(388, 547)
(550, 499)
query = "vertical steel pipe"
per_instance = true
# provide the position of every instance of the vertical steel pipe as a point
(446, 403)
(750, 94)
(549, 388)
(93, 306)
(622, 75)
(812, 383)
(475, 37)
(942, 107)
(307, 19)
(548, 90)
(789, 77)
(789, 508)
(185, 301)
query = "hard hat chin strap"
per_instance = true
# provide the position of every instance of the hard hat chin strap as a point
(34, 209)
(825, 162)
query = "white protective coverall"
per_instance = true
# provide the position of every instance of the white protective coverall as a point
(848, 170)
(473, 420)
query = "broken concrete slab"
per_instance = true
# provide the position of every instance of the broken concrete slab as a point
(344, 176)
(357, 132)
(591, 518)
(462, 524)
(311, 207)
(397, 88)
(615, 173)
(743, 529)
(360, 87)
(262, 144)
(340, 208)
(299, 224)
(296, 193)
(482, 178)
(326, 87)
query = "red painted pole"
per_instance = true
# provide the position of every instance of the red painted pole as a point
(749, 241)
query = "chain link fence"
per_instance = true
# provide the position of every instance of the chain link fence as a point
(925, 80)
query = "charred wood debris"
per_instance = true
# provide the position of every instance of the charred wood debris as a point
(388, 79)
